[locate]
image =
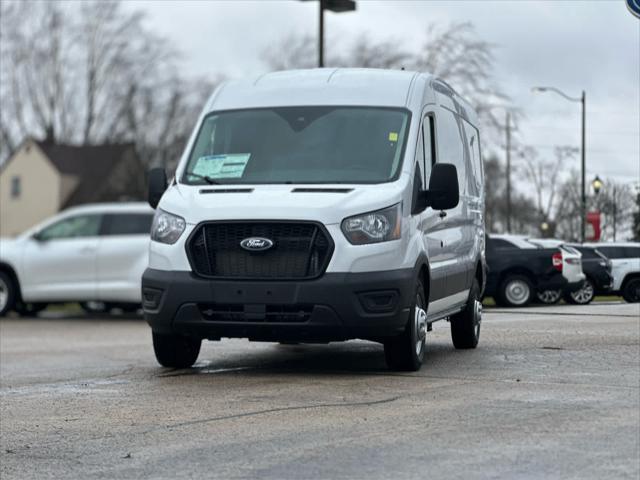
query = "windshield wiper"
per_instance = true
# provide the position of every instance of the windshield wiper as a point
(206, 178)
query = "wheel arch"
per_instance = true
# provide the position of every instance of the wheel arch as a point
(627, 278)
(423, 272)
(10, 271)
(481, 276)
(518, 271)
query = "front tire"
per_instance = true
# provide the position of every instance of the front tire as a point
(7, 294)
(176, 351)
(584, 296)
(631, 291)
(515, 291)
(406, 351)
(465, 326)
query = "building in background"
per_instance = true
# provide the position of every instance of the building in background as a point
(42, 178)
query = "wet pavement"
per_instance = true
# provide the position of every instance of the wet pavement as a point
(551, 392)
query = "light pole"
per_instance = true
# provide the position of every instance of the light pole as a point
(508, 147)
(336, 6)
(582, 99)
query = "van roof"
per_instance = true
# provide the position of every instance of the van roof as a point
(319, 86)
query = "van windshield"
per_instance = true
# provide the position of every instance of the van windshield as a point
(316, 144)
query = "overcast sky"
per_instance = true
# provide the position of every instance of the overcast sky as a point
(573, 45)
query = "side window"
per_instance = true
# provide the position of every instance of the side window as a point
(475, 172)
(632, 252)
(127, 224)
(612, 252)
(588, 253)
(428, 146)
(419, 176)
(16, 187)
(72, 227)
(451, 148)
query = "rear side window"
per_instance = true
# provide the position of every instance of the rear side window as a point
(451, 147)
(613, 252)
(632, 252)
(475, 166)
(127, 224)
(589, 253)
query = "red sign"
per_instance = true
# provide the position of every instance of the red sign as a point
(593, 230)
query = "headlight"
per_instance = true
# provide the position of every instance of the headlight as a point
(374, 227)
(166, 227)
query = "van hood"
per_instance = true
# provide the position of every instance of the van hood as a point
(328, 204)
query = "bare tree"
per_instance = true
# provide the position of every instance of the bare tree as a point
(90, 72)
(615, 202)
(544, 177)
(525, 222)
(453, 52)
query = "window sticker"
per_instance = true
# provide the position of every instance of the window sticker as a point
(222, 166)
(393, 136)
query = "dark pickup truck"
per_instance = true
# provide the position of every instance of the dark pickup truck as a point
(518, 270)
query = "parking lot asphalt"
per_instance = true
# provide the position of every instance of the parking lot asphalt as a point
(550, 393)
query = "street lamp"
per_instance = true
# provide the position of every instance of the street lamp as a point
(597, 185)
(582, 100)
(336, 6)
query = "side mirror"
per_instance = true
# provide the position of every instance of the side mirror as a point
(157, 185)
(444, 192)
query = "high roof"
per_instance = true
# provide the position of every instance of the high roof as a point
(320, 86)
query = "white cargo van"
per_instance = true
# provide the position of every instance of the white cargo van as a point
(321, 205)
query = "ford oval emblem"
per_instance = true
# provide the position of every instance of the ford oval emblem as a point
(256, 244)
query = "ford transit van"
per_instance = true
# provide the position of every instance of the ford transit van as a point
(321, 205)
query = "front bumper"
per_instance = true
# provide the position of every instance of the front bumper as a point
(336, 306)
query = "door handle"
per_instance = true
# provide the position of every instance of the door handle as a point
(442, 214)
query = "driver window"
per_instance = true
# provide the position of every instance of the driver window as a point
(73, 227)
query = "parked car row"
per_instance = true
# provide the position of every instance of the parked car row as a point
(522, 270)
(95, 255)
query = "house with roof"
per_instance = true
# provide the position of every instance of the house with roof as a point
(41, 178)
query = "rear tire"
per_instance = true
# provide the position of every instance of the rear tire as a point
(406, 351)
(96, 307)
(176, 351)
(7, 294)
(584, 296)
(465, 326)
(29, 309)
(631, 291)
(515, 291)
(549, 297)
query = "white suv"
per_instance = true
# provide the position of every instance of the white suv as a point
(94, 253)
(321, 205)
(625, 267)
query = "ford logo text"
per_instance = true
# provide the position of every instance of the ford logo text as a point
(256, 244)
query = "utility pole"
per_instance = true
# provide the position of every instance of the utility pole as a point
(321, 35)
(583, 218)
(508, 148)
(615, 211)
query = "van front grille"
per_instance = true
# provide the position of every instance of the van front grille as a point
(300, 250)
